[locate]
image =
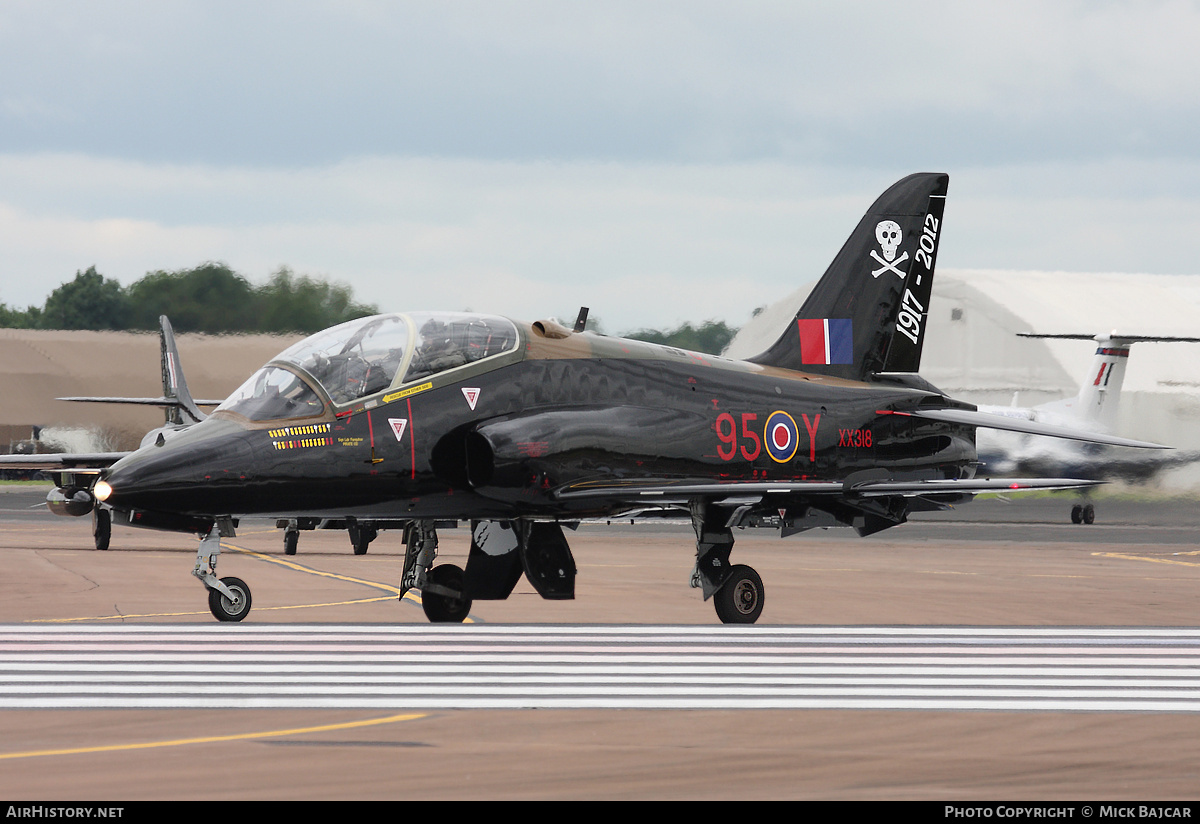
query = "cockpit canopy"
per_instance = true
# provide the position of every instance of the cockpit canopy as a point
(364, 357)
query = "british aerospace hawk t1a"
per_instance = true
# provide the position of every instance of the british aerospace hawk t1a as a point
(522, 428)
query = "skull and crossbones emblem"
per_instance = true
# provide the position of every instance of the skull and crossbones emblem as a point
(889, 234)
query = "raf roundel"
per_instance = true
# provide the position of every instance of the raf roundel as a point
(781, 437)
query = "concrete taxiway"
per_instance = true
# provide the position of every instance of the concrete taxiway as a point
(989, 564)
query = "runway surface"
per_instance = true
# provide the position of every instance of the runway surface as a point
(580, 667)
(991, 652)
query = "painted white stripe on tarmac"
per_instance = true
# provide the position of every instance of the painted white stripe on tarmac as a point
(1022, 669)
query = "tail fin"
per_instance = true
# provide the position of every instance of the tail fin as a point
(1096, 404)
(184, 410)
(867, 314)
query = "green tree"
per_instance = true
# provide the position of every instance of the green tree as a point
(29, 318)
(712, 336)
(90, 301)
(287, 303)
(209, 298)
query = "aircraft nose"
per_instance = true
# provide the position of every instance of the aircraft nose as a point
(165, 476)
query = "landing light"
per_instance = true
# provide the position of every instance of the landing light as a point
(102, 490)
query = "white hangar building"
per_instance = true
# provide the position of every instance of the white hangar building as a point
(972, 351)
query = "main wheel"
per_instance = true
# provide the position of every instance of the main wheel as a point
(441, 609)
(740, 599)
(225, 610)
(1089, 514)
(1077, 514)
(101, 527)
(291, 540)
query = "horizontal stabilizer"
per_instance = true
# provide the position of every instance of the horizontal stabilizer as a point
(1114, 337)
(990, 421)
(61, 460)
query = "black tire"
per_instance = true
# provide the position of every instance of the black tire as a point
(225, 610)
(1077, 514)
(445, 609)
(291, 540)
(1089, 514)
(101, 527)
(740, 598)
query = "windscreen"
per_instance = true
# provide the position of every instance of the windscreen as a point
(353, 359)
(362, 357)
(273, 393)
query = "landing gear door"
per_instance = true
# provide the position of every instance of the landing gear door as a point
(494, 565)
(548, 562)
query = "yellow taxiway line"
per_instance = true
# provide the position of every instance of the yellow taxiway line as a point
(1127, 557)
(180, 742)
(388, 588)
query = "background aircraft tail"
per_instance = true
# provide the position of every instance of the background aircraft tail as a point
(868, 312)
(1095, 407)
(184, 410)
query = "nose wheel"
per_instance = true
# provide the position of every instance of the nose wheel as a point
(232, 607)
(101, 527)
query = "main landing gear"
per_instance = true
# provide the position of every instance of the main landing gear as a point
(441, 586)
(228, 598)
(361, 533)
(736, 590)
(740, 598)
(1083, 514)
(501, 552)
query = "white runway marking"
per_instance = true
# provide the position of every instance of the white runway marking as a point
(583, 667)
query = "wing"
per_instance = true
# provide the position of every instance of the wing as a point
(667, 491)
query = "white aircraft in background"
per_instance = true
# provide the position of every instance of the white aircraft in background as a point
(1094, 409)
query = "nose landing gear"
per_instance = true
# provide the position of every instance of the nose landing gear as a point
(228, 598)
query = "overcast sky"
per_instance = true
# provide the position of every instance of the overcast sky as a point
(656, 161)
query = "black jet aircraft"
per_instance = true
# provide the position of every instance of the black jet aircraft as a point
(434, 418)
